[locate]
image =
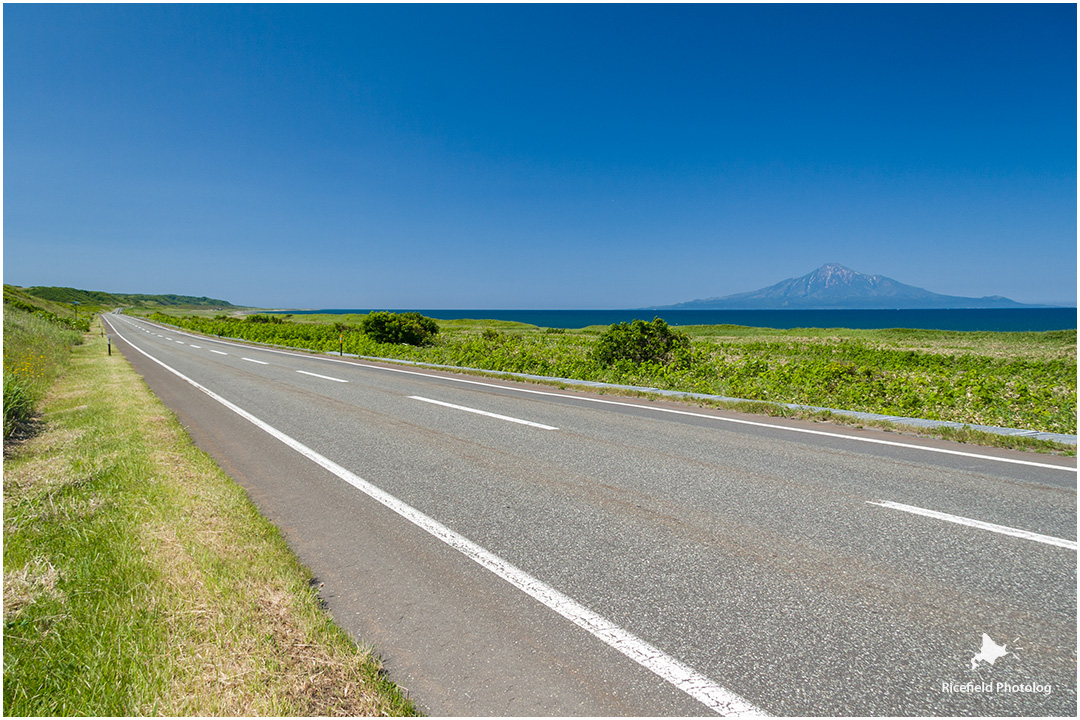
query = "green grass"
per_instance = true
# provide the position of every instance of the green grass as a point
(139, 579)
(36, 350)
(1018, 380)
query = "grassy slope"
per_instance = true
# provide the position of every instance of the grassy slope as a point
(98, 299)
(139, 579)
(19, 296)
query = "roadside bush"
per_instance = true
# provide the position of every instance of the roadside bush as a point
(640, 343)
(409, 328)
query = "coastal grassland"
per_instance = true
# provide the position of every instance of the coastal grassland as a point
(139, 579)
(1007, 379)
(1050, 345)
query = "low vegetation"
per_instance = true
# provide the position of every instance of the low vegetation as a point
(138, 577)
(36, 349)
(1018, 380)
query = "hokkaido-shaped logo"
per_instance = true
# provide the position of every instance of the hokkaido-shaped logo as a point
(989, 652)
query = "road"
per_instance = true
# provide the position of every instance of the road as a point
(515, 549)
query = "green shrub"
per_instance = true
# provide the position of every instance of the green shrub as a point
(409, 328)
(641, 342)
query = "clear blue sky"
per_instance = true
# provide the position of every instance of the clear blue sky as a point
(545, 156)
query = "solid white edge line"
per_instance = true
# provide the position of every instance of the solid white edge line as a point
(483, 412)
(672, 411)
(1004, 530)
(324, 377)
(682, 676)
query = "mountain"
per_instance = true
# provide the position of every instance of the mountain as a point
(834, 286)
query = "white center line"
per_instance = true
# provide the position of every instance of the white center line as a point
(219, 352)
(255, 361)
(324, 377)
(197, 347)
(1025, 534)
(484, 412)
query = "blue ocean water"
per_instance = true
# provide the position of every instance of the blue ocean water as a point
(996, 320)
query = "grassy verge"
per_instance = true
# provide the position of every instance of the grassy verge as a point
(139, 579)
(1018, 380)
(36, 351)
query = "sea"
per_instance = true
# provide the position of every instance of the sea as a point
(967, 320)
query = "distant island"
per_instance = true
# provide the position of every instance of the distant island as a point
(835, 287)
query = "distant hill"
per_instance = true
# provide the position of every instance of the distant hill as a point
(71, 296)
(18, 298)
(834, 286)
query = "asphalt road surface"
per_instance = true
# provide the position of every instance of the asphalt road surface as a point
(516, 549)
